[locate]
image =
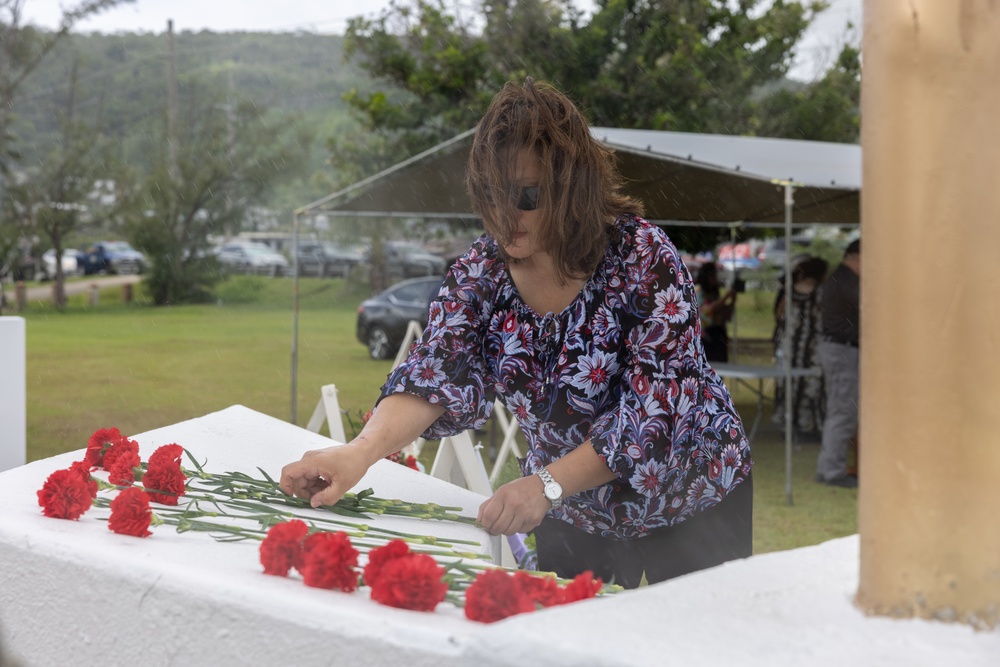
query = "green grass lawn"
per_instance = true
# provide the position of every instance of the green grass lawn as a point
(140, 367)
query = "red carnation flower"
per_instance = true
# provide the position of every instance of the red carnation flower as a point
(99, 442)
(281, 549)
(165, 454)
(582, 587)
(377, 558)
(412, 582)
(124, 448)
(164, 475)
(408, 460)
(328, 561)
(130, 513)
(495, 595)
(543, 591)
(65, 495)
(83, 470)
(121, 472)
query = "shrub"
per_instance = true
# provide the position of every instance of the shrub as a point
(239, 289)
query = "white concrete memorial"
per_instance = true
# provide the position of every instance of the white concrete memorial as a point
(72, 592)
(13, 397)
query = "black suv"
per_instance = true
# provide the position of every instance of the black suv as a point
(382, 319)
(322, 258)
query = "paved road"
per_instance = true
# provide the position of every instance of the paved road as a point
(44, 292)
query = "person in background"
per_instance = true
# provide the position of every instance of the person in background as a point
(803, 311)
(716, 310)
(838, 353)
(581, 316)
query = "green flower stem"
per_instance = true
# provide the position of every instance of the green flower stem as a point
(238, 484)
(267, 516)
(470, 569)
(186, 518)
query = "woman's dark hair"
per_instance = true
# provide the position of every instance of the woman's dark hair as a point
(580, 190)
(811, 267)
(708, 278)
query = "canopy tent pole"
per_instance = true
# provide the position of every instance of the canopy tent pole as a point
(732, 244)
(786, 340)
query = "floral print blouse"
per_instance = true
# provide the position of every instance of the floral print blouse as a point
(622, 366)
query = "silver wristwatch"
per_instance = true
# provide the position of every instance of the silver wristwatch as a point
(552, 490)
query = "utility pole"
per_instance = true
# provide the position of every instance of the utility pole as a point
(171, 103)
(230, 226)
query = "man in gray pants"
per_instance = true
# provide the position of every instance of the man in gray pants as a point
(838, 354)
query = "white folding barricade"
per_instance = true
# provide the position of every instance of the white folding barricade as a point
(509, 428)
(328, 410)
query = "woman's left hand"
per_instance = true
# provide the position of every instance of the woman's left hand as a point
(516, 507)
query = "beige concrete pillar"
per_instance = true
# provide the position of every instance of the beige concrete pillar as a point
(929, 503)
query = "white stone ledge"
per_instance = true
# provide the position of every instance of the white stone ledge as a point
(71, 592)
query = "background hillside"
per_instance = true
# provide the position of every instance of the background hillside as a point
(123, 87)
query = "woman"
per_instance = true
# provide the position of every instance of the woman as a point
(581, 316)
(716, 311)
(803, 311)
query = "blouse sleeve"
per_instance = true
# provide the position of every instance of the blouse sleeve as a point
(640, 436)
(446, 365)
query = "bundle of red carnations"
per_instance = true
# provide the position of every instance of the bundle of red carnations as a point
(398, 577)
(409, 571)
(68, 493)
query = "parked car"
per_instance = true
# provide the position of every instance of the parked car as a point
(382, 319)
(112, 257)
(404, 259)
(773, 252)
(70, 264)
(19, 267)
(322, 258)
(251, 257)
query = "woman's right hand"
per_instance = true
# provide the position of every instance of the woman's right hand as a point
(325, 475)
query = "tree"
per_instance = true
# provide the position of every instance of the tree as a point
(55, 195)
(435, 66)
(690, 65)
(686, 65)
(22, 49)
(827, 110)
(228, 156)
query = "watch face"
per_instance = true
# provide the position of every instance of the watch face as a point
(553, 491)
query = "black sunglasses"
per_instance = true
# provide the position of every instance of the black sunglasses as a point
(528, 201)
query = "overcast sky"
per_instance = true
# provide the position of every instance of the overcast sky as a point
(817, 49)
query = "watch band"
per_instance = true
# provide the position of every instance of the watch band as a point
(550, 485)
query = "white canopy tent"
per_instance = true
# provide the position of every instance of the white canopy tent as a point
(683, 179)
